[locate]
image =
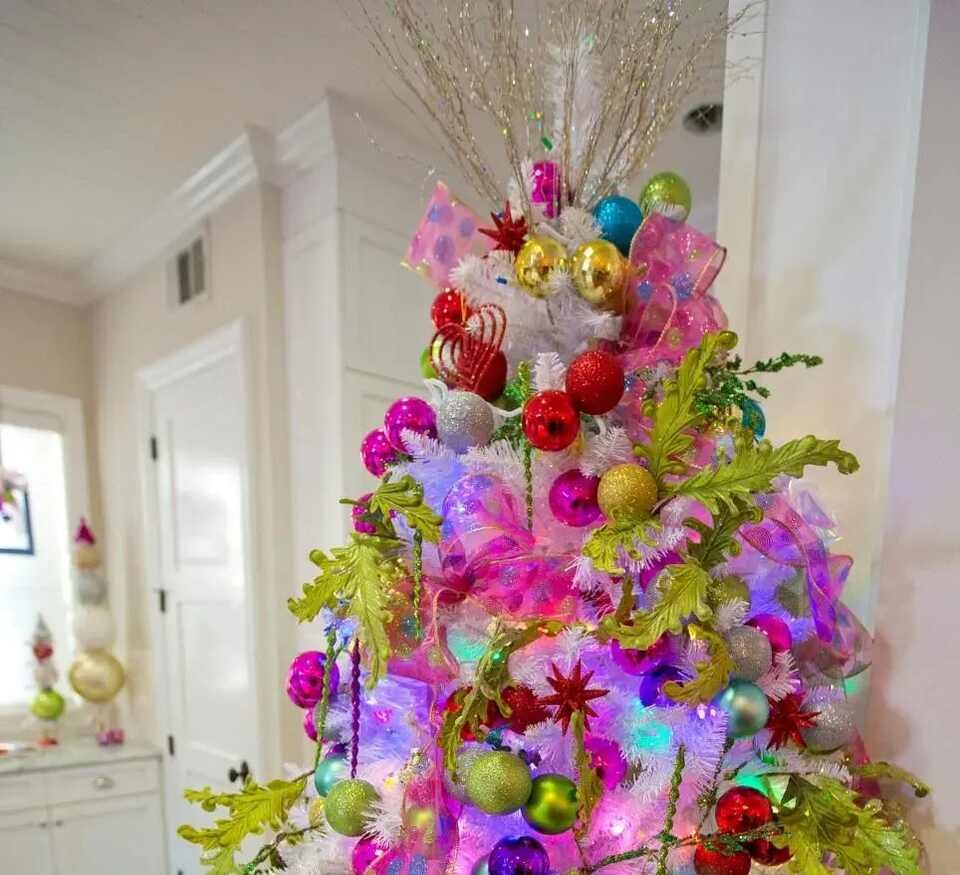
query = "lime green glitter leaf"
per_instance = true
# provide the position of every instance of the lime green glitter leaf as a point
(405, 496)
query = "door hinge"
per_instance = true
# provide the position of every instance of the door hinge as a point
(154, 449)
(171, 747)
(162, 595)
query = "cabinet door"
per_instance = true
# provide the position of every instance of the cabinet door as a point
(25, 847)
(110, 837)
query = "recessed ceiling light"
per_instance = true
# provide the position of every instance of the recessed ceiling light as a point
(707, 118)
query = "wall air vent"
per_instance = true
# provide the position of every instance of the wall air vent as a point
(704, 119)
(189, 270)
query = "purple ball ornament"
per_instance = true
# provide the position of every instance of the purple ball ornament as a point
(305, 679)
(377, 452)
(651, 687)
(519, 855)
(409, 413)
(642, 662)
(607, 760)
(776, 630)
(573, 498)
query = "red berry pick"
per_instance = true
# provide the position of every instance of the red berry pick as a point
(550, 421)
(595, 382)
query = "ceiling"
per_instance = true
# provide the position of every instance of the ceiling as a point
(107, 106)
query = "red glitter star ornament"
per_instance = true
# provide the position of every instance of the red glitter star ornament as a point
(572, 695)
(509, 233)
(787, 719)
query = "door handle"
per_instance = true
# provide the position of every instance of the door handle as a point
(243, 774)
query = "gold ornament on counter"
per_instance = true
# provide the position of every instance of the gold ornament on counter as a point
(537, 261)
(627, 490)
(600, 275)
(96, 676)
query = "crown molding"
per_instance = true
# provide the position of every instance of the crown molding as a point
(40, 283)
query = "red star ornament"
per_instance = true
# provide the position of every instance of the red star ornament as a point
(787, 719)
(509, 233)
(572, 695)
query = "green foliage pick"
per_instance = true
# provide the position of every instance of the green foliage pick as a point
(717, 543)
(822, 815)
(676, 415)
(405, 496)
(712, 674)
(891, 772)
(355, 580)
(755, 467)
(683, 591)
(589, 785)
(608, 544)
(257, 807)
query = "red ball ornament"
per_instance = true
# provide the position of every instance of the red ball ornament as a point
(449, 307)
(766, 852)
(490, 385)
(707, 862)
(595, 382)
(742, 809)
(550, 421)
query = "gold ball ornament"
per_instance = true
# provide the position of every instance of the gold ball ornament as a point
(627, 491)
(349, 805)
(96, 676)
(539, 258)
(499, 782)
(552, 806)
(600, 275)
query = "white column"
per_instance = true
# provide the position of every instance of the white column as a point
(819, 182)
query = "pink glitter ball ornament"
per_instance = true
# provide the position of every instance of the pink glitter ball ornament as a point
(409, 413)
(377, 452)
(305, 679)
(573, 498)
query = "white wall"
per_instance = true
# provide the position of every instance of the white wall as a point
(914, 705)
(135, 327)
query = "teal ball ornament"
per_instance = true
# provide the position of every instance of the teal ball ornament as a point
(668, 194)
(618, 219)
(349, 806)
(552, 806)
(331, 770)
(480, 867)
(746, 707)
(499, 782)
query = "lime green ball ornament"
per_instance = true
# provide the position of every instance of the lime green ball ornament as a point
(330, 771)
(552, 806)
(426, 365)
(667, 193)
(47, 705)
(349, 806)
(498, 782)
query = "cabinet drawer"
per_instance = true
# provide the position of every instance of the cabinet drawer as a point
(19, 791)
(101, 782)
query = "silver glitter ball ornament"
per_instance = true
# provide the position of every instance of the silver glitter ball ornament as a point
(464, 420)
(834, 721)
(751, 653)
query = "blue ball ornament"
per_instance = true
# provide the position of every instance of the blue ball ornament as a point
(752, 417)
(518, 855)
(330, 770)
(747, 708)
(618, 218)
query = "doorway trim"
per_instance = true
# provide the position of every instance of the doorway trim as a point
(230, 339)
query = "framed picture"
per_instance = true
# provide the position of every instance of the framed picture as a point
(16, 529)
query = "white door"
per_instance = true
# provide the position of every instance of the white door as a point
(108, 837)
(202, 553)
(25, 846)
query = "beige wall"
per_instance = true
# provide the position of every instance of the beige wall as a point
(46, 348)
(136, 327)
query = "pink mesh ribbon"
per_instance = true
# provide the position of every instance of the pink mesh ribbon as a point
(484, 550)
(448, 231)
(786, 537)
(670, 311)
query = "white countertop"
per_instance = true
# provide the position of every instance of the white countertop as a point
(76, 752)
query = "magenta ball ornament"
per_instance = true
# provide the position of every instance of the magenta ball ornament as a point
(518, 855)
(412, 414)
(776, 630)
(366, 852)
(357, 513)
(309, 724)
(573, 498)
(377, 452)
(305, 679)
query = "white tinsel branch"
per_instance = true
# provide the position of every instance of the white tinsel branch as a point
(603, 451)
(781, 678)
(548, 372)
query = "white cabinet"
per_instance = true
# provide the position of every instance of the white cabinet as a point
(60, 814)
